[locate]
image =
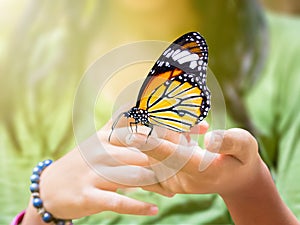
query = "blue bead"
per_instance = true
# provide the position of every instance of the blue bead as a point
(34, 187)
(34, 178)
(37, 202)
(47, 162)
(36, 170)
(60, 222)
(47, 217)
(41, 165)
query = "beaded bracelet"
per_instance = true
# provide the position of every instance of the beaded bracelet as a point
(37, 201)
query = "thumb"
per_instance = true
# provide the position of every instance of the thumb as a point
(236, 142)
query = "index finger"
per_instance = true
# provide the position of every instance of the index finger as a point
(171, 155)
(200, 128)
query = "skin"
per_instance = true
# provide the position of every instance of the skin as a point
(94, 193)
(231, 167)
(237, 174)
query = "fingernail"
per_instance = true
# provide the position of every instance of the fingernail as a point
(153, 210)
(135, 140)
(214, 139)
(171, 195)
(204, 124)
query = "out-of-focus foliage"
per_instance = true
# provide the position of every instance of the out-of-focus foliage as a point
(238, 52)
(42, 59)
(288, 7)
(47, 46)
(274, 108)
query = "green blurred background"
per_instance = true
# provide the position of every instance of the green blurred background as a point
(46, 46)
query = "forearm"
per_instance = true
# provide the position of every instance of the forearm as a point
(259, 203)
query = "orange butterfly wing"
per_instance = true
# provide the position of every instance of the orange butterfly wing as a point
(174, 94)
(183, 64)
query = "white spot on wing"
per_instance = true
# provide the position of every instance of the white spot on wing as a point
(177, 54)
(193, 64)
(169, 54)
(166, 52)
(188, 58)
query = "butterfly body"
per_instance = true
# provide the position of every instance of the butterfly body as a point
(140, 116)
(174, 95)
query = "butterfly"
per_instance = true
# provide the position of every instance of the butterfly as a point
(174, 95)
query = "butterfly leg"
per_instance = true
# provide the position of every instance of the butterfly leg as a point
(151, 129)
(131, 124)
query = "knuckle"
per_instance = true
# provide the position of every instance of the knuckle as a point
(229, 140)
(84, 198)
(248, 140)
(238, 136)
(242, 140)
(115, 203)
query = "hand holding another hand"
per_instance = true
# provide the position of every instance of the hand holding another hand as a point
(230, 166)
(229, 162)
(85, 180)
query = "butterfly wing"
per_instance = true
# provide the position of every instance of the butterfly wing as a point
(189, 54)
(178, 104)
(175, 93)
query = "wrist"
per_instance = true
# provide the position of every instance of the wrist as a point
(258, 201)
(41, 215)
(31, 216)
(249, 183)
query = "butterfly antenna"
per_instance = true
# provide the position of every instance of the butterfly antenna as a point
(114, 125)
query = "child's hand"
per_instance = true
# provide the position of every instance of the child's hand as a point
(230, 161)
(85, 181)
